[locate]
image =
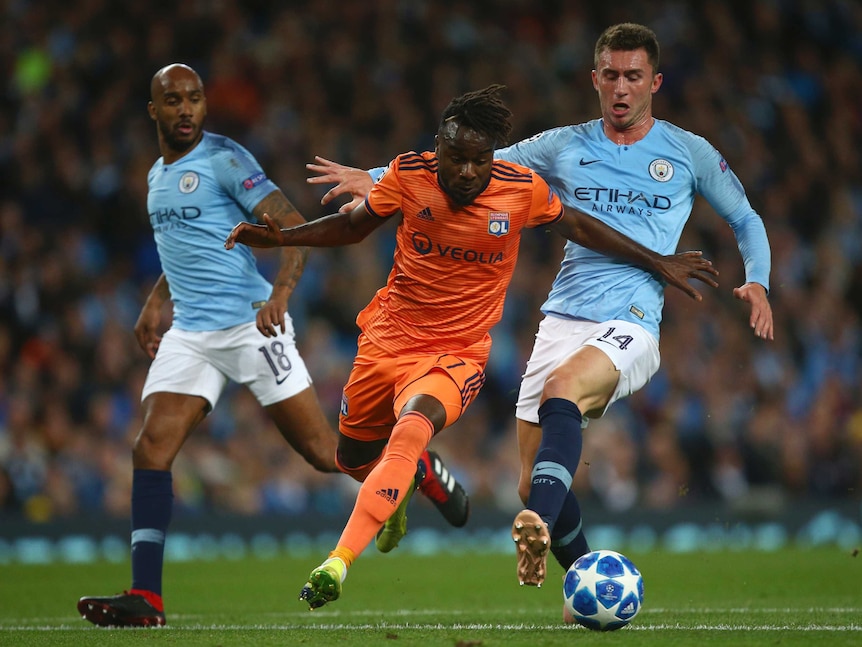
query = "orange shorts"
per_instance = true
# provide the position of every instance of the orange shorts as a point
(380, 384)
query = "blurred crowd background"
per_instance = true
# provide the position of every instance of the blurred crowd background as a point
(775, 85)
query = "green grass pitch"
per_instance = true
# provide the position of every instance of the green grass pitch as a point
(787, 597)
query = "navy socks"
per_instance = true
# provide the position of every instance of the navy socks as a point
(567, 539)
(152, 504)
(555, 465)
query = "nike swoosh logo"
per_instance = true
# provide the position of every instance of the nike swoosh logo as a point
(584, 162)
(282, 379)
(543, 470)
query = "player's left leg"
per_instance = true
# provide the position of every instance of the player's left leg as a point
(385, 489)
(568, 541)
(302, 423)
(438, 388)
(279, 379)
(584, 377)
(412, 428)
(429, 397)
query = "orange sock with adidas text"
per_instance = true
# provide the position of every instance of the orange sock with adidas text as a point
(387, 483)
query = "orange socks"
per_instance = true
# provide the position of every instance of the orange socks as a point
(384, 487)
(344, 554)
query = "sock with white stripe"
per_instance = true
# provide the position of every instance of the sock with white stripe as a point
(568, 541)
(557, 459)
(152, 505)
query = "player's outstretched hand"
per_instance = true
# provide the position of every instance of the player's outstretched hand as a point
(676, 269)
(761, 312)
(347, 179)
(266, 235)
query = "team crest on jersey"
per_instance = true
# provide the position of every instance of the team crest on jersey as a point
(533, 138)
(189, 182)
(661, 170)
(498, 223)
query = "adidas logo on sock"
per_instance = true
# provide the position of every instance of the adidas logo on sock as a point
(389, 494)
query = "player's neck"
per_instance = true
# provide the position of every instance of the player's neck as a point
(171, 155)
(631, 134)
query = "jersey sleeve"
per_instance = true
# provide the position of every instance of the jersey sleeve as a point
(240, 175)
(546, 206)
(538, 152)
(722, 189)
(385, 198)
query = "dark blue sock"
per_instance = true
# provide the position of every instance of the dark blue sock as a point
(568, 541)
(557, 459)
(152, 503)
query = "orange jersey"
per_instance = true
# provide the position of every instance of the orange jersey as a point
(452, 264)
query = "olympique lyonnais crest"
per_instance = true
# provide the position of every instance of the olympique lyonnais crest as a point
(498, 223)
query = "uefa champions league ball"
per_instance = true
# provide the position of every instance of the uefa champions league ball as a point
(603, 590)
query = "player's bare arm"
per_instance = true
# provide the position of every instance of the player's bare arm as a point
(147, 325)
(291, 263)
(347, 180)
(675, 269)
(334, 230)
(761, 312)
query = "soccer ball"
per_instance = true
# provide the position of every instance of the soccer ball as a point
(603, 590)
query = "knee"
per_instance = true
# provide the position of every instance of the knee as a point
(323, 461)
(357, 459)
(559, 384)
(151, 455)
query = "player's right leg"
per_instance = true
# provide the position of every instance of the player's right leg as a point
(439, 485)
(170, 413)
(168, 419)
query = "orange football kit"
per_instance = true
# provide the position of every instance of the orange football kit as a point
(427, 330)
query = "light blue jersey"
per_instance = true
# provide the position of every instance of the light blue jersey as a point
(193, 204)
(645, 190)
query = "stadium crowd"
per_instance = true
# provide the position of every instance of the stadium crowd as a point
(775, 85)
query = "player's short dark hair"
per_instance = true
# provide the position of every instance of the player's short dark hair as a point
(627, 37)
(483, 111)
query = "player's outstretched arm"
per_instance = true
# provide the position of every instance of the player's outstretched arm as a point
(761, 312)
(334, 230)
(675, 269)
(347, 180)
(267, 234)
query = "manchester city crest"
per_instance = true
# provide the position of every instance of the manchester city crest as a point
(661, 170)
(189, 182)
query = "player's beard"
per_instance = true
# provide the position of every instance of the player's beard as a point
(179, 143)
